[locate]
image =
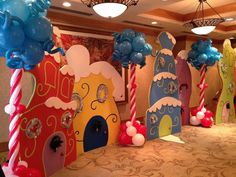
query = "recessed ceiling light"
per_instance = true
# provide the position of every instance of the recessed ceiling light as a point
(154, 23)
(229, 19)
(66, 4)
(164, 0)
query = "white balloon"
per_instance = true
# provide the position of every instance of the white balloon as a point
(200, 115)
(195, 121)
(23, 163)
(138, 139)
(8, 172)
(10, 109)
(131, 131)
(203, 110)
(128, 123)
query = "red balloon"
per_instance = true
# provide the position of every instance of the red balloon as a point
(142, 130)
(125, 139)
(123, 127)
(207, 122)
(21, 108)
(136, 125)
(20, 171)
(31, 172)
(194, 112)
(208, 114)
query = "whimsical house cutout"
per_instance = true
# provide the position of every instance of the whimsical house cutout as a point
(49, 115)
(97, 119)
(163, 115)
(185, 84)
(225, 111)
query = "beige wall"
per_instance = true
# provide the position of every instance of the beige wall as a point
(27, 85)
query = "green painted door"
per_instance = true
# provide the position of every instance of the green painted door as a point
(165, 126)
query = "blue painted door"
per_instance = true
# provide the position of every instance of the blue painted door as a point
(96, 133)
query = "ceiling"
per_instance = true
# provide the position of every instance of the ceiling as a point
(170, 15)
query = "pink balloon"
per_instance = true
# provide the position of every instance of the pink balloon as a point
(194, 112)
(136, 125)
(208, 114)
(125, 139)
(31, 172)
(142, 130)
(21, 108)
(206, 122)
(20, 171)
(123, 127)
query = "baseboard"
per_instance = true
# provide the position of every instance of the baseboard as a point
(4, 147)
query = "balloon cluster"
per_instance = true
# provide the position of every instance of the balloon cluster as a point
(131, 47)
(21, 170)
(132, 134)
(201, 117)
(25, 32)
(203, 53)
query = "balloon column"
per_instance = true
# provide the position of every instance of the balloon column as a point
(25, 34)
(201, 56)
(131, 48)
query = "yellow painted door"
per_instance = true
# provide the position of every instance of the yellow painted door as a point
(165, 126)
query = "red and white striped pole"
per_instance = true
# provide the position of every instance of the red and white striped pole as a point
(133, 87)
(14, 108)
(202, 86)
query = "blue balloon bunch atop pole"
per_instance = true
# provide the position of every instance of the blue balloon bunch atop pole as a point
(131, 47)
(25, 32)
(203, 53)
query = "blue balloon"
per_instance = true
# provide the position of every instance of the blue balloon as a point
(116, 55)
(137, 57)
(201, 47)
(194, 46)
(13, 59)
(16, 8)
(125, 48)
(138, 43)
(11, 34)
(125, 61)
(38, 7)
(192, 54)
(130, 47)
(2, 52)
(202, 58)
(38, 28)
(147, 50)
(128, 35)
(33, 52)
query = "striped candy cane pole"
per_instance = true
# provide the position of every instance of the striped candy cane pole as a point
(202, 87)
(14, 127)
(132, 93)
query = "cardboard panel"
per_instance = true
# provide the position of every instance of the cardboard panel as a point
(49, 113)
(225, 111)
(185, 84)
(163, 114)
(97, 119)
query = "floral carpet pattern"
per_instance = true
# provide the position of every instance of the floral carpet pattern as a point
(206, 153)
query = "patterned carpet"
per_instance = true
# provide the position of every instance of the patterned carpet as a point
(207, 153)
